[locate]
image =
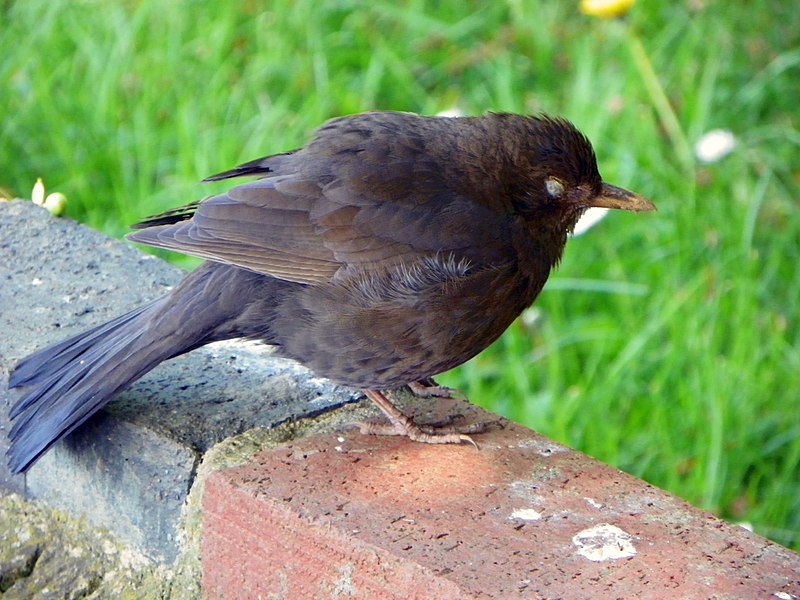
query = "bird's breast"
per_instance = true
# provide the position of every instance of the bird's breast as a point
(413, 322)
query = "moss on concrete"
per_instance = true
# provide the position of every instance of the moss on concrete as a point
(46, 554)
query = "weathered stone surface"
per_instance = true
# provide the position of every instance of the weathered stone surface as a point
(45, 554)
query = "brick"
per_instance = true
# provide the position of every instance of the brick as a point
(346, 515)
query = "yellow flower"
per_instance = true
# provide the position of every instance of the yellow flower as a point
(606, 9)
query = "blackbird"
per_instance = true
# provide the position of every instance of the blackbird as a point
(390, 248)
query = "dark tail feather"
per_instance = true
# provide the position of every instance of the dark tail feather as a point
(73, 379)
(34, 368)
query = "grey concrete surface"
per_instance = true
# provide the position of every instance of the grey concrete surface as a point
(130, 468)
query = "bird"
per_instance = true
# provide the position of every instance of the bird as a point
(388, 249)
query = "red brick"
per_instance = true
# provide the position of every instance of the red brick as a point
(352, 516)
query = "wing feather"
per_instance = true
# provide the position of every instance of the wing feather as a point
(349, 202)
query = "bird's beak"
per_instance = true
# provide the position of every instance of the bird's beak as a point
(612, 196)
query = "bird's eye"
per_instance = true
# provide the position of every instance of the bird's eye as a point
(555, 189)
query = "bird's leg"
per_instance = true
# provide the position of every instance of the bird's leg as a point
(402, 424)
(428, 388)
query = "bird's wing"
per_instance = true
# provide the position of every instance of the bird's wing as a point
(263, 226)
(260, 166)
(332, 209)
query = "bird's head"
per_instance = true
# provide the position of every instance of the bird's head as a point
(557, 177)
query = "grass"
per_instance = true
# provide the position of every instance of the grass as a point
(666, 344)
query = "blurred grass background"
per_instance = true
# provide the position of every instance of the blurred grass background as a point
(666, 344)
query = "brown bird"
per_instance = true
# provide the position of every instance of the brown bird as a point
(391, 248)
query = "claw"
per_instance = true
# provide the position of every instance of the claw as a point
(401, 424)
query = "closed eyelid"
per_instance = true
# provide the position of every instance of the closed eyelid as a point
(554, 187)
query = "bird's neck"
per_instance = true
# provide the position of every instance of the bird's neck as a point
(538, 247)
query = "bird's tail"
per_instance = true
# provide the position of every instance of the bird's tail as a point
(73, 379)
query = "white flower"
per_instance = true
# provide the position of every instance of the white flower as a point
(531, 316)
(714, 145)
(451, 112)
(55, 203)
(37, 193)
(589, 219)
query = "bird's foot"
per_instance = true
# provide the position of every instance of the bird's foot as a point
(428, 388)
(402, 424)
(417, 433)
